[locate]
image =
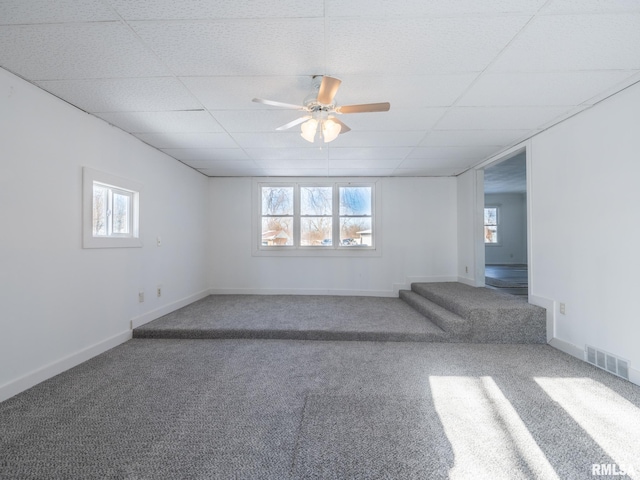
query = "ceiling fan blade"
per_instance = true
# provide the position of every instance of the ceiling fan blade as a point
(367, 107)
(295, 122)
(343, 126)
(328, 89)
(278, 104)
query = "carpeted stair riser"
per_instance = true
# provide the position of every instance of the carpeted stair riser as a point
(445, 319)
(494, 317)
(256, 334)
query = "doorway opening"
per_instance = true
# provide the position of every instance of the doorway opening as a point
(505, 225)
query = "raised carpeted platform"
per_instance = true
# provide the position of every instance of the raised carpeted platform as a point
(478, 314)
(296, 317)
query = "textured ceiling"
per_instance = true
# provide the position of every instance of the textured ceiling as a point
(465, 79)
(509, 176)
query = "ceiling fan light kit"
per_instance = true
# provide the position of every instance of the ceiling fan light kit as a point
(321, 106)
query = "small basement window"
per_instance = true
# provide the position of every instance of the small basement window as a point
(110, 211)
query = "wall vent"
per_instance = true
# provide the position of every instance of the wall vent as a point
(607, 361)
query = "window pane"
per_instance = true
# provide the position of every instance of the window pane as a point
(121, 212)
(100, 201)
(490, 216)
(277, 231)
(315, 231)
(277, 200)
(316, 200)
(355, 200)
(355, 232)
(490, 234)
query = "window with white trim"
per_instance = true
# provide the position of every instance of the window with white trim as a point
(110, 211)
(491, 225)
(316, 216)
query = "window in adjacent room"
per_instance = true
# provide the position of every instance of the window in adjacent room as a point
(111, 211)
(491, 225)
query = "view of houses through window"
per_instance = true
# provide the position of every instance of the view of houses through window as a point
(112, 211)
(491, 225)
(325, 216)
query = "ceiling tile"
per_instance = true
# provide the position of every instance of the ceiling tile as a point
(395, 118)
(308, 153)
(236, 93)
(156, 122)
(202, 9)
(539, 89)
(365, 163)
(231, 171)
(292, 163)
(427, 45)
(195, 155)
(246, 165)
(122, 95)
(284, 46)
(76, 50)
(286, 139)
(368, 153)
(187, 140)
(574, 42)
(295, 172)
(404, 91)
(46, 11)
(498, 118)
(361, 172)
(378, 139)
(427, 172)
(418, 8)
(591, 6)
(470, 138)
(258, 120)
(456, 154)
(438, 163)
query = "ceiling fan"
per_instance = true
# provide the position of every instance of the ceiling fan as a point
(321, 110)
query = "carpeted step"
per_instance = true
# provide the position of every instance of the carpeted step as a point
(435, 335)
(494, 316)
(445, 319)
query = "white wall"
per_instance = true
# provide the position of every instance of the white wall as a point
(418, 232)
(585, 225)
(60, 303)
(470, 242)
(512, 229)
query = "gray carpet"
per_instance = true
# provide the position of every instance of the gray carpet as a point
(272, 409)
(295, 317)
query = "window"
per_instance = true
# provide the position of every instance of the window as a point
(316, 217)
(491, 225)
(111, 211)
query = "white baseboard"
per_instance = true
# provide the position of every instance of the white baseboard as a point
(159, 312)
(467, 281)
(303, 291)
(52, 369)
(568, 348)
(577, 352)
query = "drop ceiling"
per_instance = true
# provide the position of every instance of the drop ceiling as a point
(465, 79)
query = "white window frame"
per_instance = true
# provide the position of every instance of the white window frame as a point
(499, 242)
(111, 240)
(335, 250)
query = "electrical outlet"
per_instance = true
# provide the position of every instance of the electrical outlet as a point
(158, 241)
(466, 269)
(140, 297)
(159, 291)
(563, 309)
